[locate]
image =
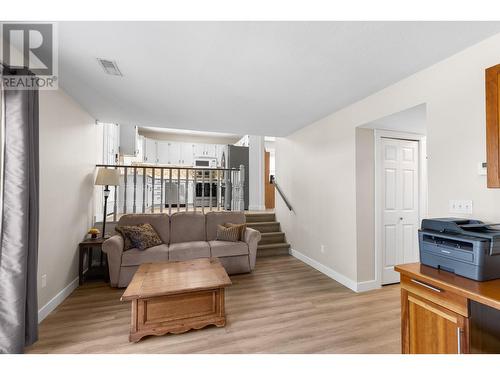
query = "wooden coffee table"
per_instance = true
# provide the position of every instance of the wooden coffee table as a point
(174, 297)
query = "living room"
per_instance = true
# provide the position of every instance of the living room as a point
(244, 187)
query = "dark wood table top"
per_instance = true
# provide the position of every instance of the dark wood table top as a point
(93, 241)
(165, 278)
(485, 292)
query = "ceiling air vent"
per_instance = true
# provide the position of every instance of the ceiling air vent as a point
(110, 67)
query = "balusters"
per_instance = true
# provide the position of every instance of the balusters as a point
(115, 208)
(203, 191)
(210, 189)
(161, 191)
(186, 187)
(169, 196)
(135, 190)
(125, 175)
(144, 190)
(153, 190)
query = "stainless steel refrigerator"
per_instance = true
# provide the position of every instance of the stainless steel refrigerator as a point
(233, 157)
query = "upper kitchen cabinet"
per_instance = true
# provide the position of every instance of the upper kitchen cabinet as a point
(129, 140)
(187, 154)
(162, 152)
(174, 153)
(205, 150)
(150, 151)
(493, 126)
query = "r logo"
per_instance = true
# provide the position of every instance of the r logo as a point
(29, 45)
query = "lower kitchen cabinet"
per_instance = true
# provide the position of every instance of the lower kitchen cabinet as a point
(443, 313)
(430, 328)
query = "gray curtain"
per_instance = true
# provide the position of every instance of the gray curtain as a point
(19, 219)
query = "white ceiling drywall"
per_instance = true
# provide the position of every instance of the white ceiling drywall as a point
(263, 78)
(411, 120)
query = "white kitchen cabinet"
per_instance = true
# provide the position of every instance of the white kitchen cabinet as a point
(129, 140)
(174, 153)
(187, 154)
(150, 151)
(162, 155)
(205, 150)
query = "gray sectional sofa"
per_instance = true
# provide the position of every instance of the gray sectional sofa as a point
(185, 235)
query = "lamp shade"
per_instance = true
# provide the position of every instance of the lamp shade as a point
(108, 176)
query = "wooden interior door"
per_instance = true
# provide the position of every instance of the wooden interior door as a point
(432, 329)
(493, 126)
(268, 187)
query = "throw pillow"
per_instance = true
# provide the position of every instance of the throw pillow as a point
(241, 227)
(127, 243)
(228, 234)
(142, 236)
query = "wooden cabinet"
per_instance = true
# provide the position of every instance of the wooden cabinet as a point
(493, 126)
(445, 313)
(430, 328)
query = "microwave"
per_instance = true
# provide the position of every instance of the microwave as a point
(205, 163)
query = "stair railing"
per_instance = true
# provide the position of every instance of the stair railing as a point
(282, 195)
(158, 189)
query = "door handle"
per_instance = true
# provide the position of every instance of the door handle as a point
(459, 340)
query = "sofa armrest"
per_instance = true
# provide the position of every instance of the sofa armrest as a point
(252, 238)
(113, 247)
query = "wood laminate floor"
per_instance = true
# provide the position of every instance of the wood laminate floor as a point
(284, 306)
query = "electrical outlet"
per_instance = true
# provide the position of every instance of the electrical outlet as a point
(44, 281)
(322, 249)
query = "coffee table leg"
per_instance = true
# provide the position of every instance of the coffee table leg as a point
(133, 322)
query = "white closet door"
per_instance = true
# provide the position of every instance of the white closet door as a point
(400, 216)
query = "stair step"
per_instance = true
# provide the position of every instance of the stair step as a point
(273, 249)
(260, 217)
(265, 226)
(272, 238)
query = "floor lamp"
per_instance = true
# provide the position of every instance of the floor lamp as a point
(106, 177)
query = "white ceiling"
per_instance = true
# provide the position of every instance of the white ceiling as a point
(412, 120)
(267, 78)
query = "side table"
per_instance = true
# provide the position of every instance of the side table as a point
(87, 268)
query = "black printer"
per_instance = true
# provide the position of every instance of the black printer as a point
(468, 248)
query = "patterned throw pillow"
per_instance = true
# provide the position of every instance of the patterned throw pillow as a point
(127, 243)
(228, 233)
(241, 227)
(141, 236)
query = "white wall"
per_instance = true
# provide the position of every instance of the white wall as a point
(316, 165)
(69, 145)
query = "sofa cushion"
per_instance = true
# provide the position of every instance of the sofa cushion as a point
(187, 227)
(227, 249)
(188, 250)
(160, 223)
(220, 218)
(135, 257)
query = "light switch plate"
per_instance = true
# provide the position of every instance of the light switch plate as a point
(460, 206)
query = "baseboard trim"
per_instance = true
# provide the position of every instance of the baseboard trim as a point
(365, 286)
(337, 276)
(57, 300)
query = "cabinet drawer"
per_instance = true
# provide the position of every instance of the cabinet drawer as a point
(439, 296)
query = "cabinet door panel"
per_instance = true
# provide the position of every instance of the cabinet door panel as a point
(493, 126)
(150, 152)
(432, 329)
(163, 152)
(174, 153)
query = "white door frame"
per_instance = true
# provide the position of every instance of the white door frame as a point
(422, 187)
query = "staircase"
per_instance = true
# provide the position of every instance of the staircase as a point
(273, 240)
